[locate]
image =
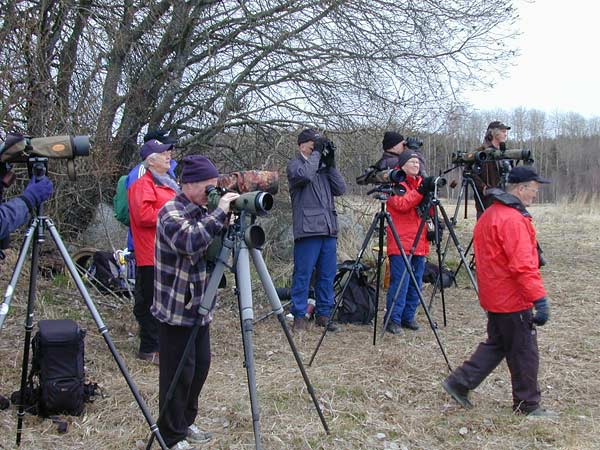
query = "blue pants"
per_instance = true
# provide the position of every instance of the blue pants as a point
(408, 299)
(309, 254)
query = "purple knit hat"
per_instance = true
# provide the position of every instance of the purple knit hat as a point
(197, 168)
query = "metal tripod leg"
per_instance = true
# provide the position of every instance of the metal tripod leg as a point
(277, 308)
(97, 319)
(419, 293)
(378, 222)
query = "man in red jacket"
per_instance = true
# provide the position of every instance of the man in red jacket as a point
(510, 287)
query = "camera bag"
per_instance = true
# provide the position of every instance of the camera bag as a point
(358, 303)
(57, 362)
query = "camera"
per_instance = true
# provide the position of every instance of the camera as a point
(374, 176)
(257, 203)
(413, 143)
(327, 149)
(492, 154)
(18, 148)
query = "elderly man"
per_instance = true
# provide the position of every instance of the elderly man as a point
(394, 145)
(495, 137)
(184, 231)
(510, 287)
(313, 184)
(145, 197)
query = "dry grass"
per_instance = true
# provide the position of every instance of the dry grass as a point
(374, 397)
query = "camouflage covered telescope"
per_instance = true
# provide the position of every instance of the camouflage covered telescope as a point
(250, 180)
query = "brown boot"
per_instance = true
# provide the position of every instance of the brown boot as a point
(323, 321)
(300, 324)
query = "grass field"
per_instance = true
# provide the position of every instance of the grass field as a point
(386, 396)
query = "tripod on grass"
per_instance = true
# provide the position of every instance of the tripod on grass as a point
(35, 236)
(379, 223)
(243, 240)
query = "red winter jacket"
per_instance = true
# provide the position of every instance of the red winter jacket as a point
(403, 209)
(145, 197)
(506, 258)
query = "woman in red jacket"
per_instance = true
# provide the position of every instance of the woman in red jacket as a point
(403, 210)
(145, 197)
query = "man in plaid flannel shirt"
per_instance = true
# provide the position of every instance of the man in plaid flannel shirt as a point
(184, 231)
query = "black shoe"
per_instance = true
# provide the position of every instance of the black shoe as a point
(412, 325)
(394, 328)
(300, 324)
(323, 321)
(462, 399)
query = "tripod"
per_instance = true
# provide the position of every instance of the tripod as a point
(243, 240)
(379, 222)
(36, 233)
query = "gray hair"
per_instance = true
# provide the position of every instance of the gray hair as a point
(151, 157)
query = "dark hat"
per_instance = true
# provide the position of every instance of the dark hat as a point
(308, 135)
(153, 146)
(197, 168)
(497, 124)
(160, 135)
(405, 156)
(523, 174)
(391, 139)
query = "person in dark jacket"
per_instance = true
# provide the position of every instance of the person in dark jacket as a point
(17, 211)
(313, 184)
(495, 137)
(403, 211)
(184, 231)
(510, 288)
(394, 145)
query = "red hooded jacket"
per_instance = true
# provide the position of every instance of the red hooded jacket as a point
(506, 258)
(403, 209)
(145, 197)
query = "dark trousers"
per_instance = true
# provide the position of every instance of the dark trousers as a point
(144, 294)
(512, 336)
(182, 408)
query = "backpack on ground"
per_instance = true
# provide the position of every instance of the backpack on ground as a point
(120, 202)
(56, 380)
(358, 303)
(431, 271)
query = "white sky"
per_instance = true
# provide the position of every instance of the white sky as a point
(558, 69)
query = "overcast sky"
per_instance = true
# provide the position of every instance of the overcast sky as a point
(558, 69)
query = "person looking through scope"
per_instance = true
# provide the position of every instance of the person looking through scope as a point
(145, 197)
(510, 288)
(403, 209)
(313, 182)
(394, 144)
(490, 173)
(184, 231)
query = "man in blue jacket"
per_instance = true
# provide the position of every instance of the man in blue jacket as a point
(313, 182)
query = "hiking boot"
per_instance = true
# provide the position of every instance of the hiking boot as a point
(323, 321)
(196, 435)
(152, 357)
(412, 325)
(394, 328)
(462, 399)
(300, 324)
(183, 445)
(542, 414)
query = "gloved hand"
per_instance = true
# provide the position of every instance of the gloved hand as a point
(328, 154)
(37, 191)
(427, 185)
(319, 145)
(542, 311)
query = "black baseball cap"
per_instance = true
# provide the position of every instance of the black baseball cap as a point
(498, 124)
(523, 174)
(308, 135)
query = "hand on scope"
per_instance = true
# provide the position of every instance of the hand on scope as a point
(226, 199)
(427, 185)
(542, 311)
(37, 191)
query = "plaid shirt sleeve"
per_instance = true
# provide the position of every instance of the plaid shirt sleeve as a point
(183, 234)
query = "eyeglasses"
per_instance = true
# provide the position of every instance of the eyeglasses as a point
(535, 190)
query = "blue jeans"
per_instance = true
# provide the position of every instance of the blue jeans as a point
(309, 254)
(408, 298)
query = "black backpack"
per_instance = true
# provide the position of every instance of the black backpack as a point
(358, 304)
(57, 363)
(431, 271)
